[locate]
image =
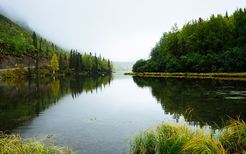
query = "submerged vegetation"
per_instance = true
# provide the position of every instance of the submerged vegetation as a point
(213, 45)
(175, 139)
(10, 144)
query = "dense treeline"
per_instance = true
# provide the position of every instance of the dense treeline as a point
(88, 63)
(214, 45)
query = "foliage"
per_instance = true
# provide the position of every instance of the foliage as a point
(139, 66)
(88, 63)
(15, 74)
(213, 45)
(54, 63)
(10, 144)
(15, 40)
(175, 139)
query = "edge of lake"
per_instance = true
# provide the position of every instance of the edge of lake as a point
(219, 76)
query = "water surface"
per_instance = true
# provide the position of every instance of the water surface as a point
(101, 115)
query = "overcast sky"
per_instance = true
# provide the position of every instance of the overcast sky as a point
(122, 30)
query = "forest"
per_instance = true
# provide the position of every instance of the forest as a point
(17, 41)
(217, 44)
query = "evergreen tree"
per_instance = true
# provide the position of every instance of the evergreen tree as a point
(34, 40)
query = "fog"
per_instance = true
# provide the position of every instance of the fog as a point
(122, 30)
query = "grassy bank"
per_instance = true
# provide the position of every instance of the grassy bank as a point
(175, 139)
(222, 76)
(14, 144)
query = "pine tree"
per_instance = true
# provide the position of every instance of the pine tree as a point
(34, 40)
(35, 44)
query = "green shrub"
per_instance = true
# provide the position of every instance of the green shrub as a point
(15, 74)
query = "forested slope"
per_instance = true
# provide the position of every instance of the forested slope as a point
(217, 44)
(21, 46)
(15, 40)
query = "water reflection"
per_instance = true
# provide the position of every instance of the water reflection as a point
(22, 101)
(201, 102)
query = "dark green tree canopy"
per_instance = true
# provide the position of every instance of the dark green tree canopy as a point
(217, 44)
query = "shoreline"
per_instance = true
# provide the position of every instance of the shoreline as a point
(220, 76)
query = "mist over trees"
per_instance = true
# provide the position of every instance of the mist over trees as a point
(16, 41)
(217, 44)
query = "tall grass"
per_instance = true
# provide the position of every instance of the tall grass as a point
(233, 137)
(14, 144)
(171, 137)
(175, 139)
(144, 143)
(201, 143)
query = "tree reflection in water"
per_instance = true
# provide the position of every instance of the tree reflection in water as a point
(200, 101)
(23, 101)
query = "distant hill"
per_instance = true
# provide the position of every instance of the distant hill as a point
(122, 67)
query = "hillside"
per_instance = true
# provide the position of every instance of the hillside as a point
(16, 40)
(21, 46)
(16, 45)
(217, 44)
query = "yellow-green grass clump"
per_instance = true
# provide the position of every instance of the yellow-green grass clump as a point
(14, 144)
(233, 137)
(176, 139)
